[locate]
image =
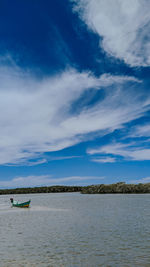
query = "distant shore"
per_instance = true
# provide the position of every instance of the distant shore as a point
(118, 188)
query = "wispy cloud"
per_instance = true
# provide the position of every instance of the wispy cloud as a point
(47, 180)
(25, 162)
(63, 158)
(104, 160)
(122, 25)
(127, 151)
(140, 131)
(36, 117)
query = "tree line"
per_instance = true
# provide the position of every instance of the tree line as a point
(117, 188)
(43, 189)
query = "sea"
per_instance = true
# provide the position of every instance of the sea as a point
(73, 229)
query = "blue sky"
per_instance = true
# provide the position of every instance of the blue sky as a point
(74, 92)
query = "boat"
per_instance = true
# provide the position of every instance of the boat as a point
(20, 204)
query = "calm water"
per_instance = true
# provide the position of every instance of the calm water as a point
(76, 230)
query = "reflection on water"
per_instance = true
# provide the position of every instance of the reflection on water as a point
(76, 230)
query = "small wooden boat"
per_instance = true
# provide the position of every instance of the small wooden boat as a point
(20, 204)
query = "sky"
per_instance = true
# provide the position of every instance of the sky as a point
(74, 92)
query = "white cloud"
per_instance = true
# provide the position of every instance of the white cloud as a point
(140, 131)
(36, 117)
(114, 148)
(107, 79)
(63, 158)
(46, 180)
(127, 151)
(23, 161)
(123, 26)
(104, 160)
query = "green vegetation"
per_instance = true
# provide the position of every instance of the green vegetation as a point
(44, 189)
(118, 188)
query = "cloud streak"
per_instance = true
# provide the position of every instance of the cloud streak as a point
(104, 160)
(127, 151)
(140, 131)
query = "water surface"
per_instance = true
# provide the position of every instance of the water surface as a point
(72, 229)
